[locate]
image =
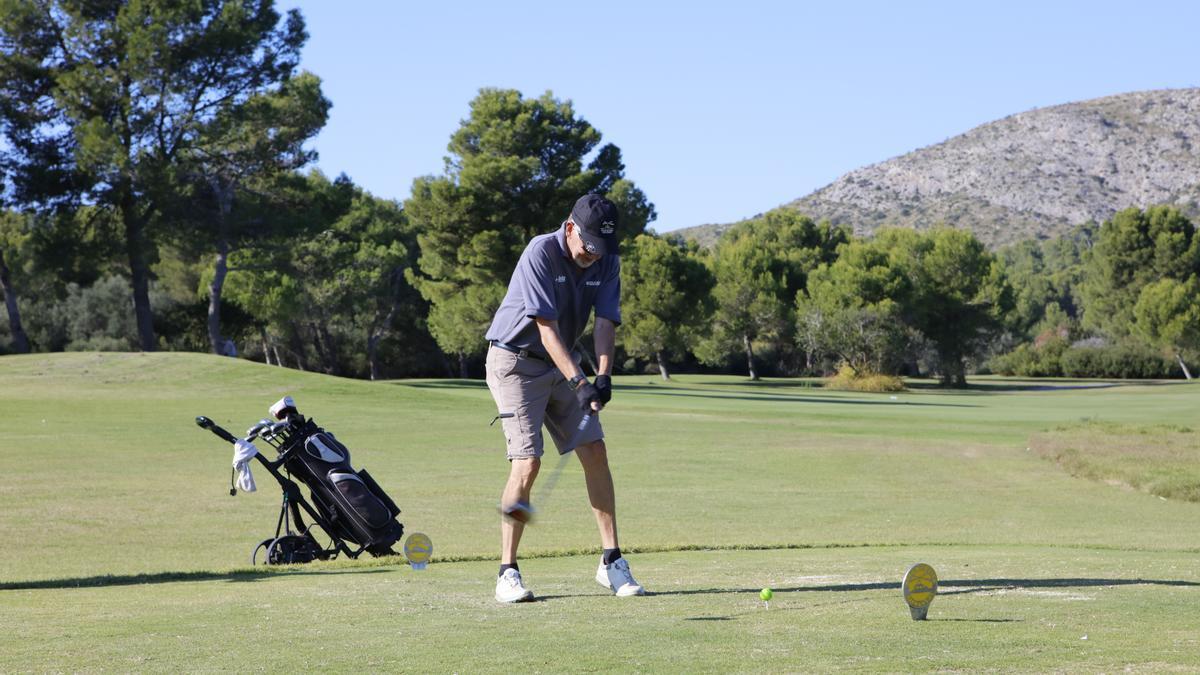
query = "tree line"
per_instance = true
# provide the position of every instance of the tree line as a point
(158, 194)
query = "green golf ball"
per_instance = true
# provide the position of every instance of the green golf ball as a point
(766, 594)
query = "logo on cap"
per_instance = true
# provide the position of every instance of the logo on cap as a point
(606, 228)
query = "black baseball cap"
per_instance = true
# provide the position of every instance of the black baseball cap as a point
(596, 218)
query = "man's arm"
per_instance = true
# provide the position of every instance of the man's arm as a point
(560, 355)
(558, 352)
(606, 340)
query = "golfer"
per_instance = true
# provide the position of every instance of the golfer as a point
(533, 372)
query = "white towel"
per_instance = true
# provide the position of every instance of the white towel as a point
(243, 452)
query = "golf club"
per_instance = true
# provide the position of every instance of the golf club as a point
(552, 480)
(253, 432)
(522, 512)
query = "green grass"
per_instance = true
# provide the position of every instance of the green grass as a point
(125, 552)
(1163, 460)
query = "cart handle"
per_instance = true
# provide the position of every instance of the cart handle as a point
(205, 423)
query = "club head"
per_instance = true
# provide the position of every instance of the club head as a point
(274, 429)
(254, 431)
(521, 512)
(203, 422)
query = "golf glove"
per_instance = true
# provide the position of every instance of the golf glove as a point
(586, 393)
(604, 388)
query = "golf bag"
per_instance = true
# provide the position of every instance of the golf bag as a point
(351, 509)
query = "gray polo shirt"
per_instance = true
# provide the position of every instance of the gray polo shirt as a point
(548, 284)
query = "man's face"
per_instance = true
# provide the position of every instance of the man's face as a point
(575, 245)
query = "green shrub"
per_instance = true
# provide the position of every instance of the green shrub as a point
(101, 316)
(1055, 359)
(848, 379)
(1127, 361)
(1028, 360)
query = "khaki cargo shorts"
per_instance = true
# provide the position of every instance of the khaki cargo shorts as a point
(536, 393)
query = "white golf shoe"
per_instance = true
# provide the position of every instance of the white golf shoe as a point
(617, 578)
(510, 589)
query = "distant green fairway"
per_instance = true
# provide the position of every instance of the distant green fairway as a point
(123, 550)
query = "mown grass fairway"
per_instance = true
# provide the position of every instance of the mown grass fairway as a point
(125, 552)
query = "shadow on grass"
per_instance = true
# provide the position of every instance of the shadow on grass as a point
(103, 580)
(807, 608)
(981, 620)
(945, 586)
(722, 389)
(966, 586)
(784, 398)
(1058, 384)
(442, 384)
(710, 394)
(802, 383)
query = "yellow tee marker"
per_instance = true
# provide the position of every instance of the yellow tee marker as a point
(418, 548)
(920, 586)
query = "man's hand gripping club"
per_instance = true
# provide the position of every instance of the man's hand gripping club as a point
(589, 395)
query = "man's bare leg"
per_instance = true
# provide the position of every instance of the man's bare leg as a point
(521, 475)
(594, 458)
(613, 574)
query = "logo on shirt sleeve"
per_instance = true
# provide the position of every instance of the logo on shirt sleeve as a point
(592, 283)
(562, 279)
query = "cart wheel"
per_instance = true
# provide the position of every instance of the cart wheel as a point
(266, 543)
(292, 548)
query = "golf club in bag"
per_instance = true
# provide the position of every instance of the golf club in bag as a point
(347, 505)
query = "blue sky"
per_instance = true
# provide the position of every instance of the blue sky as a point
(724, 110)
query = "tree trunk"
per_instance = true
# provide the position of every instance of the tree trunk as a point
(333, 365)
(266, 345)
(220, 269)
(297, 343)
(954, 373)
(373, 355)
(375, 335)
(320, 339)
(1186, 373)
(139, 273)
(20, 339)
(135, 238)
(662, 365)
(278, 361)
(224, 196)
(749, 356)
(462, 366)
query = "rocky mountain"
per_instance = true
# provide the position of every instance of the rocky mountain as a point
(1033, 174)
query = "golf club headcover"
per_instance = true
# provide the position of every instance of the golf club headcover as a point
(283, 407)
(604, 387)
(586, 393)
